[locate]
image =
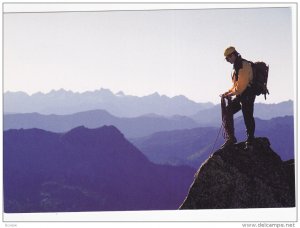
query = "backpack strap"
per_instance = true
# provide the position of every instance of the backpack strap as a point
(237, 66)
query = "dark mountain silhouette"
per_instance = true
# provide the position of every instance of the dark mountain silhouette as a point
(236, 178)
(131, 127)
(85, 170)
(212, 116)
(193, 146)
(68, 102)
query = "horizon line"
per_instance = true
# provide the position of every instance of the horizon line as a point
(121, 93)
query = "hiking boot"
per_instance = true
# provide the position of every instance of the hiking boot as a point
(249, 143)
(229, 142)
(248, 146)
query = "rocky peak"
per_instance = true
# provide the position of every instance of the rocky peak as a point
(233, 177)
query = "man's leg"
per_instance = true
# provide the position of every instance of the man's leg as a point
(227, 117)
(248, 109)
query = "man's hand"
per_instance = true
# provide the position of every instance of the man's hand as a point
(224, 94)
(227, 95)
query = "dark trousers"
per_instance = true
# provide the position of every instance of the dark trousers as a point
(244, 102)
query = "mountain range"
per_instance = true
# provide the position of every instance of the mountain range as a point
(60, 155)
(85, 170)
(174, 140)
(193, 146)
(130, 127)
(139, 126)
(64, 102)
(67, 102)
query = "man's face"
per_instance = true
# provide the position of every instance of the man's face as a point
(230, 58)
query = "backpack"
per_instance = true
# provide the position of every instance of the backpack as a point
(260, 78)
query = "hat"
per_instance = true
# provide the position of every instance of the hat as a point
(228, 51)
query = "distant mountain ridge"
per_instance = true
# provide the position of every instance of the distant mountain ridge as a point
(85, 170)
(176, 140)
(119, 104)
(212, 116)
(131, 127)
(193, 146)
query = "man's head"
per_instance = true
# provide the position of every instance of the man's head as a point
(230, 54)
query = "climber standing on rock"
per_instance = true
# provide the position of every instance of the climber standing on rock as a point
(242, 77)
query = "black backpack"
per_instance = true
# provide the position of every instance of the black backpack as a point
(260, 78)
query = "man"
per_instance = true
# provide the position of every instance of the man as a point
(241, 77)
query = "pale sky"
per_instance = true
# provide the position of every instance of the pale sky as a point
(172, 52)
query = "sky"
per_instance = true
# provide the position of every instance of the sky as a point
(172, 52)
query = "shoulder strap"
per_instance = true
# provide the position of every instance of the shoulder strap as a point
(237, 66)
